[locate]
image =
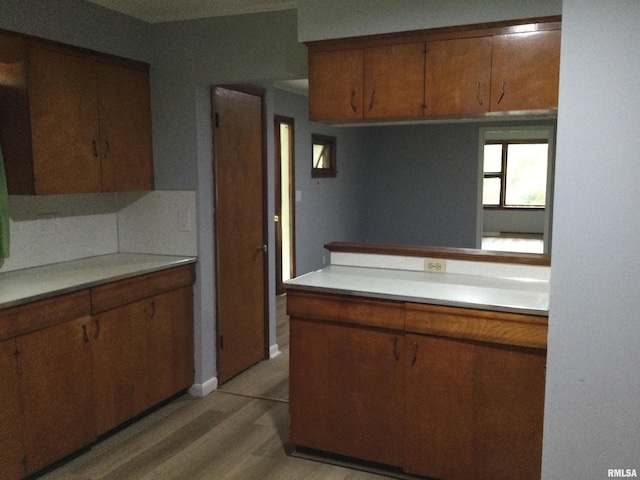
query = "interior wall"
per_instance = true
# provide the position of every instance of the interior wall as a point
(329, 209)
(593, 379)
(325, 19)
(422, 184)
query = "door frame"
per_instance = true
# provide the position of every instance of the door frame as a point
(258, 92)
(277, 120)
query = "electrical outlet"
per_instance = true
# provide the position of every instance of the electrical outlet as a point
(437, 265)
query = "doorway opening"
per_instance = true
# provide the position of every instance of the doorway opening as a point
(285, 200)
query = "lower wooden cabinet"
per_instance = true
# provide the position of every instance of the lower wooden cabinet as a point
(474, 409)
(363, 385)
(69, 375)
(143, 345)
(119, 365)
(57, 392)
(347, 383)
(11, 425)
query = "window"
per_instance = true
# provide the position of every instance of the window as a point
(515, 173)
(323, 156)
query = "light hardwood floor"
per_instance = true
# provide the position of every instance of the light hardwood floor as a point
(237, 432)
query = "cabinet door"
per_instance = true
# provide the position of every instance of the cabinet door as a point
(458, 76)
(309, 384)
(119, 364)
(473, 410)
(11, 426)
(347, 390)
(394, 81)
(366, 393)
(64, 123)
(169, 335)
(125, 128)
(525, 71)
(335, 85)
(57, 391)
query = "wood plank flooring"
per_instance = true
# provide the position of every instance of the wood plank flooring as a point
(237, 432)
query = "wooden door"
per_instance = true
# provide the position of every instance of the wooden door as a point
(240, 230)
(125, 128)
(57, 385)
(119, 364)
(458, 76)
(335, 85)
(64, 119)
(11, 426)
(525, 71)
(394, 81)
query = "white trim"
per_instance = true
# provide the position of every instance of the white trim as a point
(274, 351)
(204, 389)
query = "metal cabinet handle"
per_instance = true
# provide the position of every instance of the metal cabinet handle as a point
(501, 93)
(85, 334)
(94, 145)
(478, 93)
(415, 353)
(107, 148)
(373, 97)
(396, 350)
(354, 104)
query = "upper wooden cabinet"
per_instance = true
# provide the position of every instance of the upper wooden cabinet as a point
(451, 72)
(525, 71)
(457, 76)
(335, 85)
(394, 80)
(73, 121)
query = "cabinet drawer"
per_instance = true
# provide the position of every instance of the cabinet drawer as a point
(346, 309)
(486, 326)
(34, 316)
(114, 294)
(171, 279)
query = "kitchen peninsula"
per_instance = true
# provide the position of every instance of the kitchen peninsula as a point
(439, 374)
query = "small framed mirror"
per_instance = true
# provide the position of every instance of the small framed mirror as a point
(323, 156)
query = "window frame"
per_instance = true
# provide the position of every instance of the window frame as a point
(330, 142)
(502, 175)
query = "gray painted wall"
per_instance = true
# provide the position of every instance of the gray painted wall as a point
(324, 19)
(593, 381)
(330, 209)
(422, 185)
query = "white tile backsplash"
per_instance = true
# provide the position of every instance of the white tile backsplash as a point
(58, 228)
(160, 222)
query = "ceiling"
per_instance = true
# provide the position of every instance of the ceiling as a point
(156, 11)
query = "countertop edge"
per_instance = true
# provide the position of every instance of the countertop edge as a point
(164, 262)
(421, 300)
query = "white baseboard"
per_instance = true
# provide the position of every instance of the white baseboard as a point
(204, 389)
(274, 351)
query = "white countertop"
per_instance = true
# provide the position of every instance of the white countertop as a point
(515, 295)
(22, 286)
